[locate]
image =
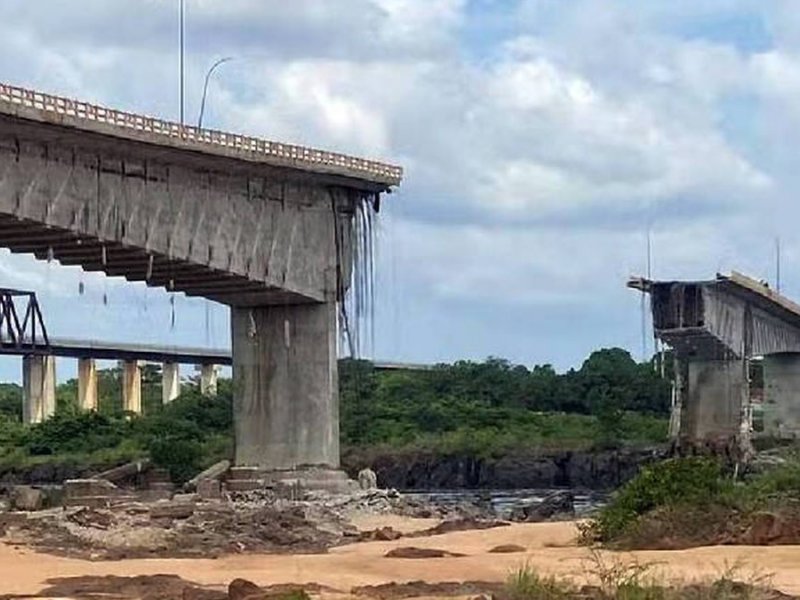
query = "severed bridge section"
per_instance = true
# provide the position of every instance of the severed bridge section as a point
(270, 229)
(727, 335)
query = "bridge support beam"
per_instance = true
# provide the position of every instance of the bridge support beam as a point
(717, 399)
(131, 387)
(208, 380)
(38, 388)
(170, 382)
(87, 384)
(285, 401)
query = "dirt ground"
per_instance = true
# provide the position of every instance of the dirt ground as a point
(550, 548)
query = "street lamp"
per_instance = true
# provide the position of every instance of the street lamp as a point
(205, 87)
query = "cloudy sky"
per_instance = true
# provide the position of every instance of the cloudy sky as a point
(541, 140)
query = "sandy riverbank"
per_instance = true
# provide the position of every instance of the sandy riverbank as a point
(550, 549)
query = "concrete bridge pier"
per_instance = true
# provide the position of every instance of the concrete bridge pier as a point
(131, 387)
(781, 407)
(716, 401)
(87, 384)
(208, 379)
(170, 382)
(38, 388)
(286, 412)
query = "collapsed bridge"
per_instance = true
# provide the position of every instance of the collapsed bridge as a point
(728, 335)
(268, 229)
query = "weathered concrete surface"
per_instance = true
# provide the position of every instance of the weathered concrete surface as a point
(208, 379)
(38, 388)
(286, 411)
(202, 225)
(131, 387)
(170, 382)
(713, 405)
(781, 407)
(87, 384)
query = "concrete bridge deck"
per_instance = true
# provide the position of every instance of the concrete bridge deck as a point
(100, 350)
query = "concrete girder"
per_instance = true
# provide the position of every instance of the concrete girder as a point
(280, 231)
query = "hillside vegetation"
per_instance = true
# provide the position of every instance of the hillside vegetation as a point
(479, 409)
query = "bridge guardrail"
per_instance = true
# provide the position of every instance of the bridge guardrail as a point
(387, 173)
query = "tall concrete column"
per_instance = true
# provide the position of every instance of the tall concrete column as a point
(208, 380)
(285, 400)
(713, 406)
(170, 382)
(38, 388)
(782, 396)
(87, 384)
(131, 387)
(676, 411)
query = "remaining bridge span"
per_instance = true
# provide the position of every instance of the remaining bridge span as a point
(716, 328)
(269, 229)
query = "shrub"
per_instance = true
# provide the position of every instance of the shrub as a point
(695, 480)
(182, 458)
(74, 433)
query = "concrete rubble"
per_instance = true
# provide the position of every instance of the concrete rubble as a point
(99, 520)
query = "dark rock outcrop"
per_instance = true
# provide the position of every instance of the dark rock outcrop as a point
(557, 505)
(600, 470)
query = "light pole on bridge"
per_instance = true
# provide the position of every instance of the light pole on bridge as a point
(210, 71)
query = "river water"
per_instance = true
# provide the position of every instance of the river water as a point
(501, 502)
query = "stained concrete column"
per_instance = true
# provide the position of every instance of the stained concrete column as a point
(676, 411)
(131, 387)
(712, 409)
(285, 400)
(782, 396)
(208, 380)
(170, 382)
(87, 384)
(38, 388)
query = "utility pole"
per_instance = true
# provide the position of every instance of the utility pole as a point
(181, 60)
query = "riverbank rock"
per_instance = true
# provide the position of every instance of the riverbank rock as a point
(242, 589)
(557, 505)
(507, 549)
(414, 552)
(367, 480)
(27, 498)
(381, 534)
(453, 525)
(596, 470)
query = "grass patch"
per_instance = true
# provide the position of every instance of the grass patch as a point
(613, 579)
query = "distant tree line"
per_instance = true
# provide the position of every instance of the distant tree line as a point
(477, 408)
(392, 406)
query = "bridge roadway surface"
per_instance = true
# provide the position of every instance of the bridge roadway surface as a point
(72, 348)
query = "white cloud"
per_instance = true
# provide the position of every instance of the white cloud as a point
(534, 158)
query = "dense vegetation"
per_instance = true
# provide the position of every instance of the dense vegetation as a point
(494, 406)
(698, 501)
(476, 408)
